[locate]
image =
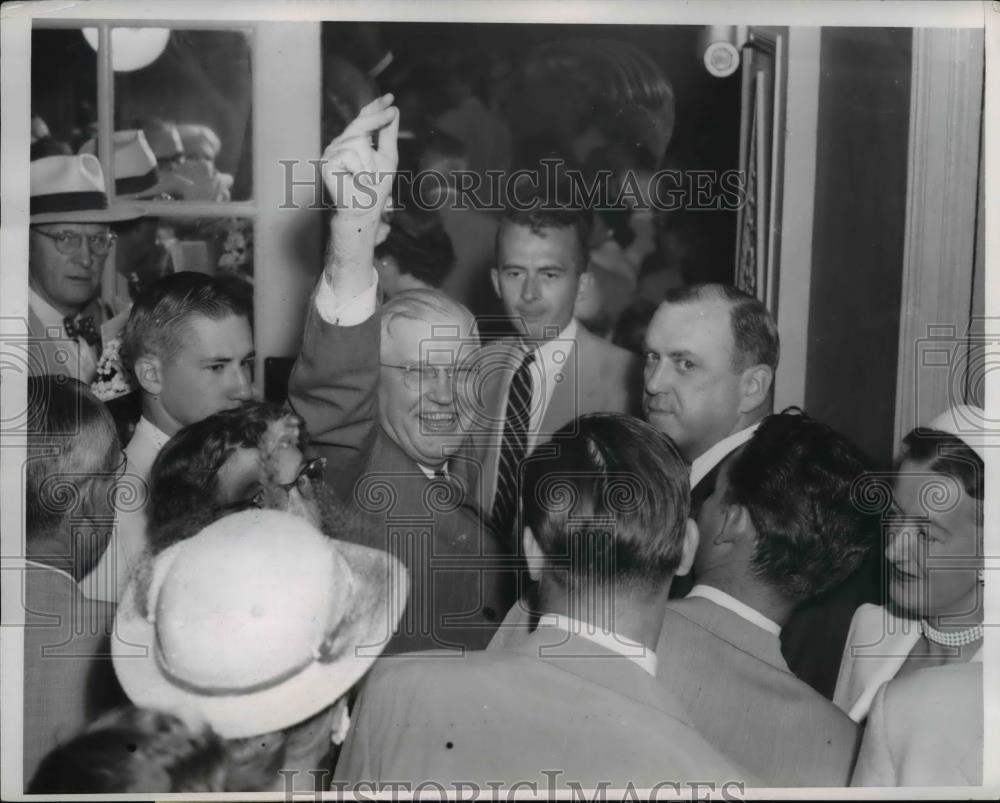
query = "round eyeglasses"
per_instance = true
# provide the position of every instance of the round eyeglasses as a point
(311, 471)
(69, 242)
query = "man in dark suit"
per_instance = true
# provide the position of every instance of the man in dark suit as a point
(780, 527)
(385, 391)
(576, 702)
(73, 459)
(712, 352)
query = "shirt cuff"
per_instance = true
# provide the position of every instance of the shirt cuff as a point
(349, 312)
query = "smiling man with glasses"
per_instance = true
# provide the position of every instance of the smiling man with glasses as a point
(69, 242)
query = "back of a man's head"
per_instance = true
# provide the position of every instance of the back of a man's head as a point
(72, 446)
(755, 333)
(799, 481)
(607, 502)
(157, 322)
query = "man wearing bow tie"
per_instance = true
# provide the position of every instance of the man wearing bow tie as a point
(69, 242)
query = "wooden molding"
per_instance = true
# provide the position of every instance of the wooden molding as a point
(939, 250)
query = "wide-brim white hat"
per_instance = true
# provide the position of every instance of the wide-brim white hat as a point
(136, 174)
(255, 624)
(70, 189)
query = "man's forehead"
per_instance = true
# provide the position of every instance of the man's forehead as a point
(82, 228)
(691, 325)
(439, 336)
(204, 336)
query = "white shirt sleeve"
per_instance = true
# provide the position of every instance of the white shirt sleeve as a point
(349, 312)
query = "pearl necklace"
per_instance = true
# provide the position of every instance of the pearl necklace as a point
(951, 638)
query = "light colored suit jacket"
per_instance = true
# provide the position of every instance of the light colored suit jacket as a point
(50, 351)
(599, 377)
(743, 699)
(556, 710)
(878, 644)
(68, 675)
(925, 729)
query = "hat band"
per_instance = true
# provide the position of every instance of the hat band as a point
(68, 202)
(325, 653)
(133, 184)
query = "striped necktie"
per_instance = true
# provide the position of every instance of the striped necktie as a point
(513, 446)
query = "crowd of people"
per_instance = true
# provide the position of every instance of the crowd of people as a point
(531, 559)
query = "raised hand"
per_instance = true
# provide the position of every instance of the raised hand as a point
(357, 175)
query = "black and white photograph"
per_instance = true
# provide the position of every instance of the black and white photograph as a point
(499, 400)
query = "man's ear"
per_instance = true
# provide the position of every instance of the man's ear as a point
(689, 548)
(533, 555)
(495, 278)
(148, 372)
(755, 384)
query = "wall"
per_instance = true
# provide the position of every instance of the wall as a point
(857, 251)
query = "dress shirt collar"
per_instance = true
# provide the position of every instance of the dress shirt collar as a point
(705, 463)
(741, 609)
(430, 473)
(547, 351)
(47, 314)
(148, 430)
(637, 653)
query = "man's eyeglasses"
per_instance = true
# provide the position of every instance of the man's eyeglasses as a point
(420, 375)
(69, 242)
(309, 472)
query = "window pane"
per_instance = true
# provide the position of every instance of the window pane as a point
(151, 247)
(194, 104)
(63, 91)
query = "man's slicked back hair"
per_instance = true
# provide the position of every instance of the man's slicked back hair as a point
(544, 215)
(607, 500)
(755, 333)
(425, 305)
(800, 481)
(161, 314)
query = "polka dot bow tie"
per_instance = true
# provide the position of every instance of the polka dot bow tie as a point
(85, 327)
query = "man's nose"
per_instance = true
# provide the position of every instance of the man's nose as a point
(657, 377)
(85, 254)
(529, 290)
(441, 390)
(242, 387)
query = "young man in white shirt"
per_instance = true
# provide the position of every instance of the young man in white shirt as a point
(189, 345)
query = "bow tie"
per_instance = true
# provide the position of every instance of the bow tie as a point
(85, 327)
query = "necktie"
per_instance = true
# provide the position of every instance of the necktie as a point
(513, 446)
(85, 327)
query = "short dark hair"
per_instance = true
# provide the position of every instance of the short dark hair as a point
(795, 478)
(608, 498)
(420, 246)
(161, 313)
(944, 453)
(184, 483)
(755, 333)
(541, 213)
(70, 432)
(134, 750)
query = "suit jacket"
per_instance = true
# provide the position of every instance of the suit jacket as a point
(599, 377)
(743, 699)
(50, 351)
(461, 576)
(68, 675)
(925, 729)
(556, 710)
(878, 645)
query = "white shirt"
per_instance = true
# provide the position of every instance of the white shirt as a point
(551, 359)
(108, 579)
(741, 609)
(705, 463)
(54, 329)
(638, 653)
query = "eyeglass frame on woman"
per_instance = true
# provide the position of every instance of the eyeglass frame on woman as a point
(417, 369)
(64, 238)
(310, 470)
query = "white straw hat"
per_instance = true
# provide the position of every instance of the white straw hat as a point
(70, 189)
(257, 623)
(136, 175)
